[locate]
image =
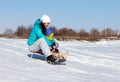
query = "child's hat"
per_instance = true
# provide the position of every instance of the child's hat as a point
(49, 31)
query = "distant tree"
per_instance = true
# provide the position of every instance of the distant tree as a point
(94, 32)
(108, 32)
(29, 29)
(72, 32)
(117, 31)
(63, 32)
(21, 31)
(8, 31)
(83, 33)
(66, 32)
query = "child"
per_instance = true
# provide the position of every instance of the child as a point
(54, 46)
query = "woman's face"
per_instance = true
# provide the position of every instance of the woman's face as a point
(46, 24)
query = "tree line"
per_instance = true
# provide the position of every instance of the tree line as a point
(66, 33)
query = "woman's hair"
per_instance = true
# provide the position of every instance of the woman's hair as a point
(43, 28)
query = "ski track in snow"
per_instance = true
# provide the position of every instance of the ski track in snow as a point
(87, 62)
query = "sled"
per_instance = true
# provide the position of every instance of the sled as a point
(37, 55)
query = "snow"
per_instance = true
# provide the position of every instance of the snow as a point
(87, 62)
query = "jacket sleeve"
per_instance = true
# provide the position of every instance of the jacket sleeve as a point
(38, 32)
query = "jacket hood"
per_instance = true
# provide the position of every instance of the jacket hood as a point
(37, 22)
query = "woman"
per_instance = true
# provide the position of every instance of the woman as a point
(37, 40)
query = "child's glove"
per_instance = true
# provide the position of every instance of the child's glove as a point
(54, 47)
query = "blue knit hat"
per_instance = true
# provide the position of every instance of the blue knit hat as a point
(48, 31)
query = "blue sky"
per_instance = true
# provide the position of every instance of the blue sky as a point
(74, 14)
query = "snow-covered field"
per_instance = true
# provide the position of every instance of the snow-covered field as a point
(87, 62)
